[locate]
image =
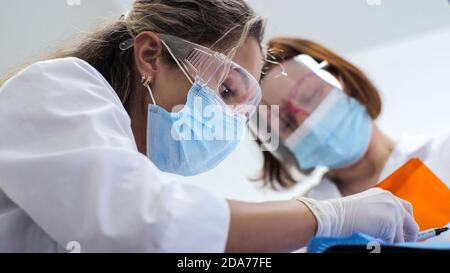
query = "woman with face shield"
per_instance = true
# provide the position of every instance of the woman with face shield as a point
(327, 118)
(90, 136)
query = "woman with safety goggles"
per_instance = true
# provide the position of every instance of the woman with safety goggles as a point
(328, 119)
(89, 136)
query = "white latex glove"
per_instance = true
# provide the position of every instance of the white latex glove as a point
(374, 212)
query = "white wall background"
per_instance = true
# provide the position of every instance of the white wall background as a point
(402, 45)
(29, 29)
(351, 25)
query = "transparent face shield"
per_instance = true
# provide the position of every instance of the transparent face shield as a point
(233, 86)
(298, 87)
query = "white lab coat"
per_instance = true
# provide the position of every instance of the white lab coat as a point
(434, 153)
(70, 171)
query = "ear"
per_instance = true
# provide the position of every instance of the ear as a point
(147, 49)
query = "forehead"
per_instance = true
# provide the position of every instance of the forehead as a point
(292, 79)
(279, 80)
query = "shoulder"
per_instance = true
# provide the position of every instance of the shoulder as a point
(436, 155)
(60, 98)
(69, 66)
(433, 152)
(65, 82)
(441, 143)
(64, 76)
(437, 147)
(60, 66)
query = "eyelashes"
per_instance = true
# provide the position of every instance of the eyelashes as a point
(226, 93)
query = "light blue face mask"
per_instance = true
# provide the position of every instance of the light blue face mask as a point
(195, 139)
(336, 135)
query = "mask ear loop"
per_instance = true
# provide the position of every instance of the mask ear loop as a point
(273, 61)
(146, 80)
(323, 65)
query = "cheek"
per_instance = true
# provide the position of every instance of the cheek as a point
(181, 87)
(172, 88)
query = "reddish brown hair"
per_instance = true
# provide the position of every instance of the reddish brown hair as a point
(355, 83)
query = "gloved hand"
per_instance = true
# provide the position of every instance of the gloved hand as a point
(374, 212)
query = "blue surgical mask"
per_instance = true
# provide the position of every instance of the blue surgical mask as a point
(336, 135)
(195, 139)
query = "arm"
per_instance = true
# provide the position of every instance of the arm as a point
(288, 225)
(281, 226)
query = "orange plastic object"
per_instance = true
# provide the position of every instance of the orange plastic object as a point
(430, 197)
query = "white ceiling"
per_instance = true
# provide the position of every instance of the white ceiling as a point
(31, 28)
(353, 25)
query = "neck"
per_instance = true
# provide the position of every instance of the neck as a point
(364, 174)
(138, 112)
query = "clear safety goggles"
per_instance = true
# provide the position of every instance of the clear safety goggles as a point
(233, 86)
(298, 87)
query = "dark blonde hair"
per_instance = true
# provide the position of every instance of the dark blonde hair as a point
(199, 21)
(354, 82)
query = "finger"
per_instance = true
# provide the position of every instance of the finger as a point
(399, 235)
(410, 228)
(407, 206)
